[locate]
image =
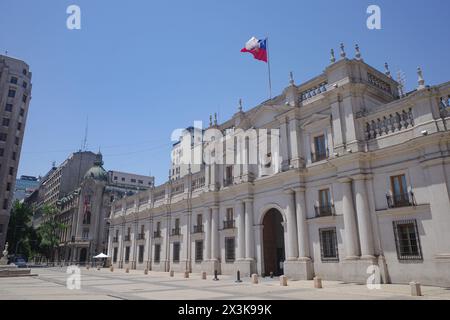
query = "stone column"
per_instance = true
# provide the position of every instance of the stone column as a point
(302, 227)
(284, 145)
(110, 243)
(148, 243)
(364, 220)
(215, 233)
(351, 239)
(294, 139)
(207, 230)
(240, 219)
(291, 224)
(249, 236)
(186, 235)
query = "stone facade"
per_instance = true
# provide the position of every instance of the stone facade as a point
(85, 211)
(15, 96)
(361, 180)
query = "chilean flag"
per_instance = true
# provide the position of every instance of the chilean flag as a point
(258, 48)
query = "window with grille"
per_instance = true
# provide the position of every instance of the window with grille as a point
(229, 250)
(176, 252)
(328, 245)
(407, 240)
(157, 257)
(198, 251)
(141, 254)
(127, 254)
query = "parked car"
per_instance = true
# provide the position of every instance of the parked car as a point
(19, 262)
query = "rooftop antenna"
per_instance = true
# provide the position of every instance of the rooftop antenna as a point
(84, 143)
(6, 52)
(401, 79)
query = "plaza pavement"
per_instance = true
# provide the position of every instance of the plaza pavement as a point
(50, 284)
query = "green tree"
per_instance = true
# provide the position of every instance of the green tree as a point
(21, 236)
(49, 231)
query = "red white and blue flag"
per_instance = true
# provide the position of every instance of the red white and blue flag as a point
(258, 48)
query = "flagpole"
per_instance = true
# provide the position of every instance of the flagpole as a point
(268, 67)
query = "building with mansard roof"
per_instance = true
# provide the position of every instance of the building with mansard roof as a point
(360, 178)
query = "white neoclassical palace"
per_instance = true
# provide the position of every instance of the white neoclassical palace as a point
(362, 178)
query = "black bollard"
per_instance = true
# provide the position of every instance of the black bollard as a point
(215, 276)
(271, 275)
(238, 276)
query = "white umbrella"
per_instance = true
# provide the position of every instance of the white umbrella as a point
(101, 255)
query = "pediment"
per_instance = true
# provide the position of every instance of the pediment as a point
(314, 119)
(266, 114)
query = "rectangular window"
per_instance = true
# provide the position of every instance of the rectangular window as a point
(320, 149)
(229, 250)
(399, 191)
(127, 254)
(199, 219)
(14, 156)
(157, 257)
(14, 80)
(141, 254)
(8, 107)
(176, 252)
(11, 93)
(328, 245)
(115, 178)
(11, 171)
(24, 84)
(85, 234)
(2, 151)
(8, 186)
(5, 122)
(115, 255)
(16, 141)
(230, 215)
(3, 136)
(22, 112)
(19, 126)
(140, 182)
(198, 251)
(5, 204)
(325, 207)
(133, 180)
(407, 240)
(24, 98)
(1, 228)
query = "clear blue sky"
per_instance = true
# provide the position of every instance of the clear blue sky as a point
(140, 69)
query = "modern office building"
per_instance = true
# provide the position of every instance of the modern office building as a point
(15, 96)
(25, 186)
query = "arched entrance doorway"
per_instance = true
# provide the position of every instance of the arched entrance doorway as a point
(83, 255)
(273, 243)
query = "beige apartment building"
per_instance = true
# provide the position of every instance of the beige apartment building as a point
(15, 96)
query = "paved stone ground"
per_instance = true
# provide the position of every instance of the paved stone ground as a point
(50, 284)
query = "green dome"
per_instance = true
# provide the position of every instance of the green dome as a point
(97, 172)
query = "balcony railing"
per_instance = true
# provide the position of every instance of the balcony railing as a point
(325, 210)
(115, 240)
(198, 229)
(141, 236)
(157, 234)
(400, 200)
(127, 238)
(228, 224)
(319, 156)
(175, 232)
